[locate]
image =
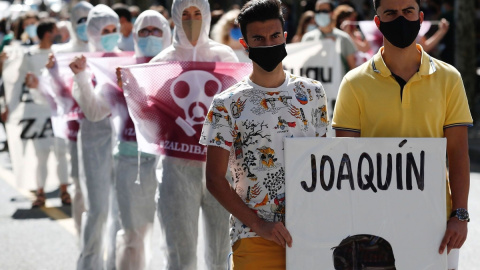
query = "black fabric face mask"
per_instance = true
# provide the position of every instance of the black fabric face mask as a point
(400, 32)
(268, 57)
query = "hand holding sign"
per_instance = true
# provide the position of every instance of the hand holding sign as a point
(78, 64)
(51, 61)
(31, 80)
(273, 231)
(455, 235)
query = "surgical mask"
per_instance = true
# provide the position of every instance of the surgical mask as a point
(268, 57)
(192, 29)
(322, 19)
(150, 46)
(31, 30)
(110, 41)
(311, 27)
(134, 19)
(82, 32)
(236, 33)
(400, 32)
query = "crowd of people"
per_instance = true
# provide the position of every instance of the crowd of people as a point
(118, 190)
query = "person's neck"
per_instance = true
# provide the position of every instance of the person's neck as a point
(268, 79)
(44, 44)
(127, 29)
(402, 62)
(327, 29)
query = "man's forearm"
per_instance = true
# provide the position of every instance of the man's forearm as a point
(458, 166)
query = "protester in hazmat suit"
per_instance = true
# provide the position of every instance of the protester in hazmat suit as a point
(95, 146)
(79, 40)
(78, 43)
(135, 172)
(182, 190)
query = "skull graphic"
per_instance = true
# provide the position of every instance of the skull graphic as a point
(193, 91)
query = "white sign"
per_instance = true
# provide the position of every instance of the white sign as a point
(365, 201)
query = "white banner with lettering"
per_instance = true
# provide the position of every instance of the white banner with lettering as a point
(320, 61)
(365, 202)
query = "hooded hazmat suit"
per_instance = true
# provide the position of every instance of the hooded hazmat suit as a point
(151, 18)
(182, 187)
(76, 44)
(95, 153)
(136, 200)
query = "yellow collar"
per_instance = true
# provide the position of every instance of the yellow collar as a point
(427, 67)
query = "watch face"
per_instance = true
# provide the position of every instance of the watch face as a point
(462, 214)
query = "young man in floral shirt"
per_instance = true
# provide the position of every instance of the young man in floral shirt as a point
(244, 130)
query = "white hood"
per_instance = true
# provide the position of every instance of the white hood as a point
(80, 10)
(152, 18)
(179, 37)
(98, 18)
(206, 49)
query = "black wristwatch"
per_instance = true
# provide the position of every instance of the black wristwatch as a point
(461, 214)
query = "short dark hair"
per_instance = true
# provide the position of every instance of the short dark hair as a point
(123, 12)
(332, 7)
(360, 250)
(45, 25)
(376, 4)
(259, 11)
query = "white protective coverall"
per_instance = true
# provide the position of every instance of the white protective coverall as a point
(182, 187)
(79, 11)
(95, 145)
(136, 199)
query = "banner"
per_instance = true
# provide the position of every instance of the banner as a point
(168, 102)
(57, 83)
(320, 61)
(106, 78)
(365, 202)
(29, 115)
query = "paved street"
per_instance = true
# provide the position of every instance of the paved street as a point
(46, 239)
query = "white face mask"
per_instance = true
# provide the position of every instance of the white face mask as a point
(322, 19)
(150, 46)
(311, 27)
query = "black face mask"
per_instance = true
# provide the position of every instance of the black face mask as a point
(400, 32)
(268, 57)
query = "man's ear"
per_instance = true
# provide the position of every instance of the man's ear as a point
(376, 19)
(421, 17)
(244, 44)
(285, 34)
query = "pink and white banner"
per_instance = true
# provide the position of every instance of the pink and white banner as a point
(104, 70)
(56, 84)
(168, 102)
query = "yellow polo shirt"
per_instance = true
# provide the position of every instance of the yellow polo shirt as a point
(369, 101)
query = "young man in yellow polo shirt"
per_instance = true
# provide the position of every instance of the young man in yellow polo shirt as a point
(403, 92)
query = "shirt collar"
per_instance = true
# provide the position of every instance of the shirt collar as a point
(427, 66)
